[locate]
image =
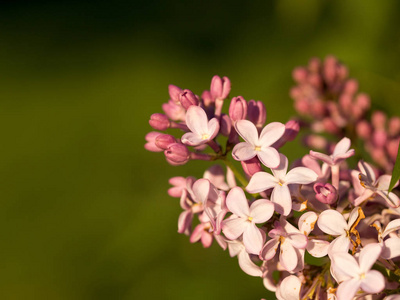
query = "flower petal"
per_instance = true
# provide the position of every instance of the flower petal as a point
(261, 181)
(342, 147)
(201, 190)
(332, 222)
(345, 265)
(243, 151)
(321, 156)
(280, 171)
(368, 256)
(247, 265)
(252, 239)
(213, 128)
(340, 244)
(307, 222)
(282, 199)
(248, 131)
(271, 133)
(269, 249)
(234, 227)
(184, 221)
(236, 202)
(301, 175)
(317, 248)
(192, 139)
(347, 289)
(269, 157)
(373, 282)
(290, 287)
(298, 240)
(391, 248)
(261, 210)
(288, 256)
(392, 226)
(196, 120)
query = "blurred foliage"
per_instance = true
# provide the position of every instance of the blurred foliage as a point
(84, 212)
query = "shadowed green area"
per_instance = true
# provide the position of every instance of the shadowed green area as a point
(84, 212)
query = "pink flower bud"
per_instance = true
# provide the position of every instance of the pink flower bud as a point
(220, 88)
(174, 110)
(256, 113)
(363, 101)
(292, 128)
(394, 126)
(299, 74)
(392, 148)
(318, 109)
(177, 153)
(187, 99)
(164, 140)
(329, 125)
(174, 92)
(350, 87)
(302, 107)
(159, 121)
(346, 103)
(251, 166)
(378, 119)
(207, 98)
(325, 193)
(379, 138)
(238, 108)
(330, 65)
(315, 80)
(150, 139)
(363, 129)
(342, 72)
(314, 64)
(225, 125)
(315, 142)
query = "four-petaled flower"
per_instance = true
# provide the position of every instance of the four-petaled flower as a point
(259, 146)
(279, 182)
(244, 219)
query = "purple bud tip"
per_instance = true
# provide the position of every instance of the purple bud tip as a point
(159, 121)
(292, 128)
(325, 193)
(220, 88)
(187, 99)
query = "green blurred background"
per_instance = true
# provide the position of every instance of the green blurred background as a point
(84, 212)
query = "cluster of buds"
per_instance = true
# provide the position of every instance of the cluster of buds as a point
(329, 102)
(269, 214)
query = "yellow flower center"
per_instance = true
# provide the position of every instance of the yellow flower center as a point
(205, 136)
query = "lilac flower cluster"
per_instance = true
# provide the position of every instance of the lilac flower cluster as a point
(270, 215)
(329, 102)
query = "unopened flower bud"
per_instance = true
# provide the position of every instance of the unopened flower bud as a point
(177, 153)
(392, 147)
(164, 140)
(207, 98)
(363, 129)
(378, 119)
(299, 74)
(187, 99)
(330, 65)
(150, 139)
(314, 64)
(220, 88)
(292, 128)
(225, 125)
(238, 108)
(363, 101)
(379, 138)
(159, 121)
(325, 193)
(174, 110)
(251, 166)
(315, 141)
(350, 87)
(256, 113)
(174, 92)
(394, 126)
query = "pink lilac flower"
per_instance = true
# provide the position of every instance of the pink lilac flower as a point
(256, 145)
(244, 219)
(279, 182)
(354, 274)
(340, 153)
(373, 186)
(333, 222)
(391, 245)
(202, 130)
(290, 241)
(317, 248)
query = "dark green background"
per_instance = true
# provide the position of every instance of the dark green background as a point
(84, 212)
